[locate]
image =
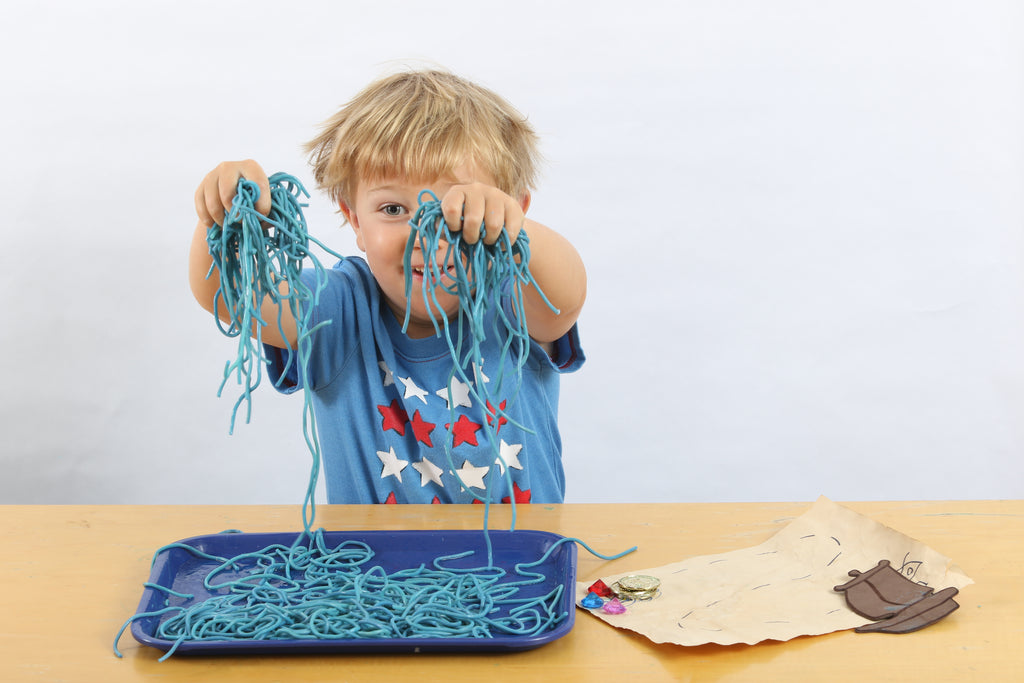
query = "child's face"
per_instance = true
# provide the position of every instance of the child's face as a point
(380, 214)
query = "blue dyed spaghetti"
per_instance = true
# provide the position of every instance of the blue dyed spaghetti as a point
(309, 590)
(478, 274)
(260, 257)
(481, 273)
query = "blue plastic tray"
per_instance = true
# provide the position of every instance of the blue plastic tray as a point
(182, 571)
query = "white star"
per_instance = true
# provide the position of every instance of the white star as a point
(428, 472)
(389, 378)
(472, 475)
(392, 465)
(412, 390)
(509, 456)
(460, 394)
(478, 372)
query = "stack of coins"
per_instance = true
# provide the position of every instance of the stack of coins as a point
(636, 587)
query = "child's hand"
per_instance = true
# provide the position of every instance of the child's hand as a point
(468, 207)
(215, 194)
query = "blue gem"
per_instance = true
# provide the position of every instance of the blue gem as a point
(592, 601)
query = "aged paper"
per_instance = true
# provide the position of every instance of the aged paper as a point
(780, 589)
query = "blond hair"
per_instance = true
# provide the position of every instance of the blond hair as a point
(422, 125)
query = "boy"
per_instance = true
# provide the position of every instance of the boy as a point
(382, 397)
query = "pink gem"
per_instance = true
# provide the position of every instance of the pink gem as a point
(613, 606)
(600, 588)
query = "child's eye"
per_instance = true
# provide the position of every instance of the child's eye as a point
(393, 209)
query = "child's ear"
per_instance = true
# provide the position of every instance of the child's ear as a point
(353, 220)
(524, 201)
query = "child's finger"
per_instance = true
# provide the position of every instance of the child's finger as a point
(214, 199)
(217, 191)
(514, 225)
(252, 171)
(473, 208)
(227, 188)
(494, 222)
(509, 217)
(205, 218)
(263, 203)
(451, 208)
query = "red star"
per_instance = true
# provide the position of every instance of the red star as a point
(490, 415)
(436, 501)
(464, 432)
(391, 500)
(521, 495)
(394, 417)
(421, 428)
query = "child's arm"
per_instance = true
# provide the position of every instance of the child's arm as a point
(555, 264)
(558, 270)
(212, 200)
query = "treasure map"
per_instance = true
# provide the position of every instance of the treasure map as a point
(778, 590)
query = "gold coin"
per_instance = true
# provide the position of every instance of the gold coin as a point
(637, 587)
(639, 583)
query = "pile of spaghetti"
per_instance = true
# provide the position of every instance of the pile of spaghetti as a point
(309, 590)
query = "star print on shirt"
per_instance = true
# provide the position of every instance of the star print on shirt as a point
(394, 417)
(520, 495)
(392, 500)
(509, 456)
(471, 475)
(429, 472)
(421, 428)
(478, 373)
(501, 418)
(464, 431)
(460, 394)
(392, 465)
(412, 390)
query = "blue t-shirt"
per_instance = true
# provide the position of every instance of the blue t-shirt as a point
(385, 407)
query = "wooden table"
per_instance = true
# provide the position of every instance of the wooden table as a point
(71, 575)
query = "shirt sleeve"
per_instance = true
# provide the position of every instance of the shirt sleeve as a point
(568, 355)
(283, 373)
(340, 314)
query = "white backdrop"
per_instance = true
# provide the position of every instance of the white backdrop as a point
(802, 223)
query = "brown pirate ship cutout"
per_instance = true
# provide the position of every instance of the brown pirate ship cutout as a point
(894, 603)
